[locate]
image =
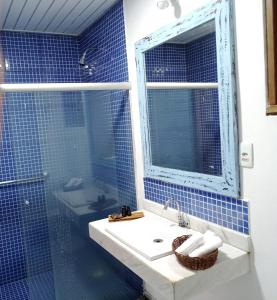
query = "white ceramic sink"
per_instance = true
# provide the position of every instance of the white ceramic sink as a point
(131, 242)
(150, 236)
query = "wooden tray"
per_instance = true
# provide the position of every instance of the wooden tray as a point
(135, 215)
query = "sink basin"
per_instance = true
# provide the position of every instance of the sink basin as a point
(150, 236)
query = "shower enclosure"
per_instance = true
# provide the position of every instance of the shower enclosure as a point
(65, 160)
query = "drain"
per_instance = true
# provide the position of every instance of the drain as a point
(158, 240)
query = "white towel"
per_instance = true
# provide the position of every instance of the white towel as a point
(191, 243)
(207, 234)
(211, 242)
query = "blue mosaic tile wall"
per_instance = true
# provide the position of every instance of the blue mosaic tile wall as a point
(124, 148)
(166, 62)
(225, 211)
(24, 236)
(44, 58)
(24, 229)
(202, 67)
(106, 48)
(31, 58)
(201, 55)
(19, 290)
(195, 61)
(198, 59)
(107, 56)
(111, 142)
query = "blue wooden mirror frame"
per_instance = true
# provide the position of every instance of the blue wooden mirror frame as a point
(219, 11)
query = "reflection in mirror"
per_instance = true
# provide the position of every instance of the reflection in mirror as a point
(189, 57)
(184, 124)
(184, 130)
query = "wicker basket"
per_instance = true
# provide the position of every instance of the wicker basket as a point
(194, 263)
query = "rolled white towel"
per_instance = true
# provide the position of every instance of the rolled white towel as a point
(191, 243)
(207, 234)
(211, 243)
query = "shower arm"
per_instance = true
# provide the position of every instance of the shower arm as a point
(83, 57)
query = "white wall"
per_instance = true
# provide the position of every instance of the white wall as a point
(259, 185)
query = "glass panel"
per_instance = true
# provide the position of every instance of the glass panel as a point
(184, 130)
(83, 141)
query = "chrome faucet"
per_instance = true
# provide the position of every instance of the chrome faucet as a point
(181, 220)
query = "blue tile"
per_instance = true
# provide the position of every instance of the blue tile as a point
(105, 41)
(245, 210)
(40, 287)
(219, 209)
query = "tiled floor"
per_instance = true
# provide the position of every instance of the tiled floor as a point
(40, 287)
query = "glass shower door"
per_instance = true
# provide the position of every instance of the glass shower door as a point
(23, 208)
(81, 145)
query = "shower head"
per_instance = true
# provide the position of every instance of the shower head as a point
(97, 51)
(82, 59)
(97, 59)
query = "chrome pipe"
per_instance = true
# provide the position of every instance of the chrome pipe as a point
(25, 180)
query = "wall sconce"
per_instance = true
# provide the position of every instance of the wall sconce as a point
(162, 4)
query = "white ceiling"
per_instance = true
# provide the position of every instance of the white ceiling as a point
(194, 33)
(51, 16)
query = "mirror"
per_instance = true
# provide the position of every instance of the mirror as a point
(187, 99)
(184, 127)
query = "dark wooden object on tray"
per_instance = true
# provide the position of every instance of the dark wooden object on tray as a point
(134, 215)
